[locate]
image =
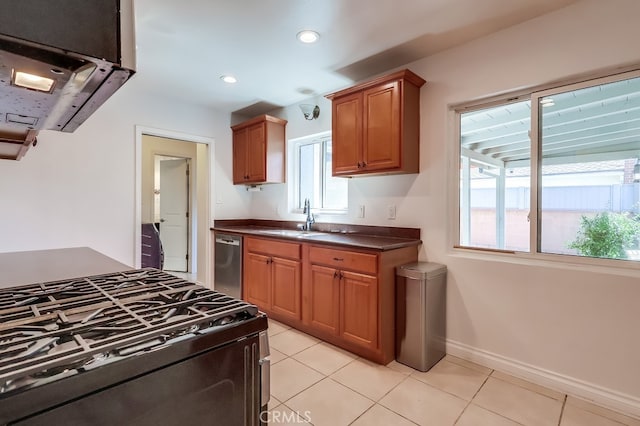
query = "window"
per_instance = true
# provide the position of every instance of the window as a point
(554, 171)
(313, 178)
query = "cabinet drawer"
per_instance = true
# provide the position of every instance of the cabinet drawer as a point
(273, 247)
(343, 259)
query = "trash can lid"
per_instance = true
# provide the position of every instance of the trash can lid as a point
(421, 270)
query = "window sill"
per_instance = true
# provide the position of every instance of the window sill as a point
(323, 212)
(584, 264)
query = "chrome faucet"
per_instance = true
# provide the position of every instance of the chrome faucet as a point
(310, 218)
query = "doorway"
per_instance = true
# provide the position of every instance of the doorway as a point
(163, 152)
(171, 210)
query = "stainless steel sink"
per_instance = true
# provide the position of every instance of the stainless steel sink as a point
(291, 233)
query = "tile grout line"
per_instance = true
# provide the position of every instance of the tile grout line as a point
(295, 411)
(505, 381)
(318, 371)
(298, 393)
(474, 395)
(521, 386)
(386, 408)
(564, 404)
(391, 409)
(449, 393)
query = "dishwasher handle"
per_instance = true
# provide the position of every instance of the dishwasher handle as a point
(228, 241)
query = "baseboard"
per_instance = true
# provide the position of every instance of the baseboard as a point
(599, 395)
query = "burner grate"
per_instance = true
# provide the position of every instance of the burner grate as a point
(58, 326)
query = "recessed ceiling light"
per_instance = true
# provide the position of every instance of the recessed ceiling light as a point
(228, 79)
(308, 36)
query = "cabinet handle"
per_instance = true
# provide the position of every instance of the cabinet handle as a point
(338, 259)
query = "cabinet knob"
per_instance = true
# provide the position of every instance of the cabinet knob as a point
(338, 259)
(364, 164)
(335, 274)
(359, 165)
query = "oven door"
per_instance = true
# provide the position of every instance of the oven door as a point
(218, 387)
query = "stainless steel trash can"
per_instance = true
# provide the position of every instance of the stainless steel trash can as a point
(420, 314)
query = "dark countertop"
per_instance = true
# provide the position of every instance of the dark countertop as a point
(29, 267)
(347, 239)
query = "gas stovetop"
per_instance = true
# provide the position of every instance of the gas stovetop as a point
(54, 329)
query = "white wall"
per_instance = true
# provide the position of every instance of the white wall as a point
(572, 328)
(229, 201)
(78, 189)
(562, 320)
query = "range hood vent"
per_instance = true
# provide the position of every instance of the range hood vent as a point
(59, 61)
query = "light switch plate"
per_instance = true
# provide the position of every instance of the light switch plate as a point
(361, 211)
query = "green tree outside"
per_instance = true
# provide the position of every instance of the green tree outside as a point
(607, 234)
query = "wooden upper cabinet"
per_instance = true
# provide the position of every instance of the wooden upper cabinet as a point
(347, 126)
(376, 126)
(259, 151)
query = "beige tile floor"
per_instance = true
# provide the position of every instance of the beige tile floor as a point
(313, 382)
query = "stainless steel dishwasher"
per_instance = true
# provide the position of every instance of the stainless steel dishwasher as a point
(228, 264)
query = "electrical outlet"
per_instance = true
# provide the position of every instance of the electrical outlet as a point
(391, 212)
(361, 211)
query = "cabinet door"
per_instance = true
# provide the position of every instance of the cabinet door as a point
(257, 280)
(257, 153)
(347, 134)
(381, 138)
(359, 310)
(323, 299)
(286, 281)
(240, 152)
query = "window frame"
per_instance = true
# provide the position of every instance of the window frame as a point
(534, 94)
(294, 157)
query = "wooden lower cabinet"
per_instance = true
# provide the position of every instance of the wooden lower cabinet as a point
(345, 297)
(348, 297)
(285, 287)
(322, 307)
(257, 277)
(271, 282)
(359, 309)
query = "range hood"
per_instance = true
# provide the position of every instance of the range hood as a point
(59, 61)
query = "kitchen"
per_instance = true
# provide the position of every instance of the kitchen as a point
(561, 325)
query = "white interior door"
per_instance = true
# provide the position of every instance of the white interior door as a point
(174, 219)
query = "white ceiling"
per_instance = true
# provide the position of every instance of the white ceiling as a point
(183, 47)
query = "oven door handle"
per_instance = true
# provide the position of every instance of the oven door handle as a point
(265, 381)
(265, 370)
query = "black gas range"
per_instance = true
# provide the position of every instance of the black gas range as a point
(139, 347)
